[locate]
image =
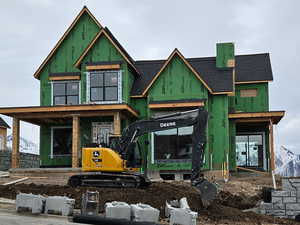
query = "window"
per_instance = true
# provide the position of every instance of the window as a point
(104, 86)
(1, 142)
(61, 141)
(173, 143)
(248, 93)
(66, 93)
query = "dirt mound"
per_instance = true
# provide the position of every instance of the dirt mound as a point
(226, 209)
(156, 195)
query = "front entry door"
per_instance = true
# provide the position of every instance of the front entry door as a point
(250, 150)
(101, 132)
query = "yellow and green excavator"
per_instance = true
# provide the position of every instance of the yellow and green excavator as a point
(120, 165)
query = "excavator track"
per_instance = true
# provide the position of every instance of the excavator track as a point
(112, 180)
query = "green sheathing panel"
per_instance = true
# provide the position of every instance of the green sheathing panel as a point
(177, 82)
(67, 53)
(232, 146)
(225, 52)
(218, 129)
(104, 50)
(260, 103)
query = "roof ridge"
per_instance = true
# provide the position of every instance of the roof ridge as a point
(201, 58)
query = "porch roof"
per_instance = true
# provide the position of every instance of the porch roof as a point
(274, 116)
(43, 114)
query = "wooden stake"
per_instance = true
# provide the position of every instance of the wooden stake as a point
(117, 123)
(271, 141)
(15, 143)
(75, 141)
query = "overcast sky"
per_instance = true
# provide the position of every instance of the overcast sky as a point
(151, 30)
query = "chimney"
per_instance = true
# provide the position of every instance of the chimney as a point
(225, 55)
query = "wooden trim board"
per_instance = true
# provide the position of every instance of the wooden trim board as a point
(176, 105)
(104, 67)
(59, 78)
(11, 111)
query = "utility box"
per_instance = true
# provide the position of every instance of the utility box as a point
(118, 210)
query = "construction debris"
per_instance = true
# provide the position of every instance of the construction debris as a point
(143, 212)
(16, 181)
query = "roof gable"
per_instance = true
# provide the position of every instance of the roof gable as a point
(106, 33)
(176, 52)
(84, 11)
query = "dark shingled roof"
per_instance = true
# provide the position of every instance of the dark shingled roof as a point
(255, 67)
(3, 123)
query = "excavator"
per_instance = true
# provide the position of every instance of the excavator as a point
(121, 164)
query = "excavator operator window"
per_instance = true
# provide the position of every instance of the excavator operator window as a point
(134, 159)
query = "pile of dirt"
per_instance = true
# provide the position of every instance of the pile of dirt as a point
(226, 209)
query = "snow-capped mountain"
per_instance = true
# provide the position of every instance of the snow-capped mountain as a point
(287, 163)
(25, 145)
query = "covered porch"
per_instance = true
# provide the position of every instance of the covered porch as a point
(73, 115)
(253, 135)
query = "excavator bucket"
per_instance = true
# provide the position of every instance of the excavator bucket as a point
(208, 190)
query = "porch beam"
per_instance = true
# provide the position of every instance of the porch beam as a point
(75, 141)
(117, 124)
(271, 143)
(15, 143)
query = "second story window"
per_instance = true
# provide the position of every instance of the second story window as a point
(66, 93)
(104, 86)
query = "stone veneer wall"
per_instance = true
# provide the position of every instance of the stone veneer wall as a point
(286, 202)
(27, 160)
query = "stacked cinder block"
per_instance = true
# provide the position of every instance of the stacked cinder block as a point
(52, 204)
(117, 210)
(286, 202)
(30, 202)
(144, 212)
(59, 205)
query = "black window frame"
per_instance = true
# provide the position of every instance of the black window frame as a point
(66, 95)
(104, 86)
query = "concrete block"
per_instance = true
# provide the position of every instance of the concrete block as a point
(266, 206)
(59, 205)
(35, 203)
(143, 212)
(292, 213)
(293, 206)
(168, 209)
(275, 212)
(117, 210)
(183, 217)
(183, 203)
(287, 185)
(277, 200)
(289, 199)
(278, 206)
(281, 193)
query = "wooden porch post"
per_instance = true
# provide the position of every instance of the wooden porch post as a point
(15, 143)
(75, 141)
(271, 141)
(117, 124)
